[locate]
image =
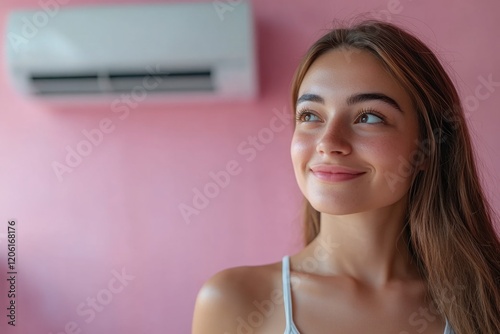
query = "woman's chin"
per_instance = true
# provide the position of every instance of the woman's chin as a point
(337, 210)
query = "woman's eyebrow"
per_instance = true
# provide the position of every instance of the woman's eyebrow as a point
(357, 98)
(353, 99)
(311, 98)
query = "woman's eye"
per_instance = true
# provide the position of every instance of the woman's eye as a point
(369, 118)
(306, 116)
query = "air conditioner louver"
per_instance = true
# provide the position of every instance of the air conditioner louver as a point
(118, 82)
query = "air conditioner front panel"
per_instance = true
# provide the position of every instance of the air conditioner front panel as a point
(156, 38)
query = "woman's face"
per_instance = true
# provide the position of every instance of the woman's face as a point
(356, 135)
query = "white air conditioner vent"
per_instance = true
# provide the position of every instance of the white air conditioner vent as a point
(184, 49)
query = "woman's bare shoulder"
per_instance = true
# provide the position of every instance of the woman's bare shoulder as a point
(229, 294)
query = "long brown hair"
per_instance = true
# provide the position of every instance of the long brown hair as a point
(449, 222)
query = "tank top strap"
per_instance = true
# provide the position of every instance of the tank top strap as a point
(448, 329)
(287, 297)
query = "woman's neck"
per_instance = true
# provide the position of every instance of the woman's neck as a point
(369, 247)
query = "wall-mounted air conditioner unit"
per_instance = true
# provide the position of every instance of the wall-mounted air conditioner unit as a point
(181, 50)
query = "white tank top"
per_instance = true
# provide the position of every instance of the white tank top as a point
(287, 298)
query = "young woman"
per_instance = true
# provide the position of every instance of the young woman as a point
(399, 236)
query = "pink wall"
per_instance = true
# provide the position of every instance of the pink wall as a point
(119, 209)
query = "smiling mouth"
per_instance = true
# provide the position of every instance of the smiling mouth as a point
(335, 173)
(336, 177)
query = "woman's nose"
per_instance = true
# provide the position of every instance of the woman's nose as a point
(335, 139)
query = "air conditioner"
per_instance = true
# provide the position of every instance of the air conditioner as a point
(181, 50)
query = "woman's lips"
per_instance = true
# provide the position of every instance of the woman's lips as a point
(335, 173)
